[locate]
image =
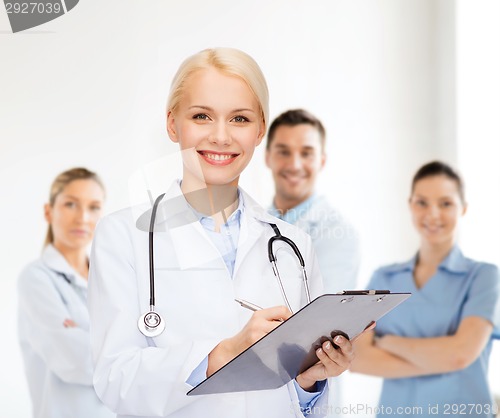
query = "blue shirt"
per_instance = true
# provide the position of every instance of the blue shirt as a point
(226, 241)
(294, 214)
(460, 288)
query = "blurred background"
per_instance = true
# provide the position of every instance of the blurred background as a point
(397, 83)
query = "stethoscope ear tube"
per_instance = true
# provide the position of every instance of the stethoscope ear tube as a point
(272, 260)
(279, 237)
(151, 257)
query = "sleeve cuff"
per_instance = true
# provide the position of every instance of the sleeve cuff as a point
(308, 399)
(199, 374)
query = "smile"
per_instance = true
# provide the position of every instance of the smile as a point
(433, 228)
(293, 178)
(79, 232)
(216, 158)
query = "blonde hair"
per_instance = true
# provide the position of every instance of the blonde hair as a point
(230, 61)
(58, 185)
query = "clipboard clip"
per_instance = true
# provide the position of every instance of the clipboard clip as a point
(364, 292)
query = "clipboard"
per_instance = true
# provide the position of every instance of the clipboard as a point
(290, 348)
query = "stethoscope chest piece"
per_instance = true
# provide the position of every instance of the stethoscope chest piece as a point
(151, 324)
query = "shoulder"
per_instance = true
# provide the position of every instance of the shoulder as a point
(257, 212)
(392, 270)
(485, 271)
(34, 272)
(125, 216)
(123, 219)
(457, 263)
(326, 215)
(391, 276)
(291, 231)
(485, 277)
(321, 209)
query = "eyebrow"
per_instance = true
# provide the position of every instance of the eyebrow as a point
(305, 147)
(210, 109)
(68, 196)
(420, 196)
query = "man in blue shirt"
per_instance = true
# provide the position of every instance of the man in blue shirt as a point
(295, 153)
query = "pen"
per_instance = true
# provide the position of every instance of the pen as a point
(248, 305)
(253, 307)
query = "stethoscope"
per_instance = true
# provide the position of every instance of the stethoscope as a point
(151, 324)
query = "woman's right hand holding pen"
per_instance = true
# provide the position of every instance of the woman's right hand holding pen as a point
(261, 323)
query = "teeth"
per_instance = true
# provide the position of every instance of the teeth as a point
(218, 157)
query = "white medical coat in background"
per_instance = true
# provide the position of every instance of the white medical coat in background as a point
(57, 360)
(336, 244)
(138, 376)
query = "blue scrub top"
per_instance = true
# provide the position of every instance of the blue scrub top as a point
(460, 288)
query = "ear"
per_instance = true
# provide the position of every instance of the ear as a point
(268, 158)
(464, 210)
(171, 128)
(47, 213)
(262, 132)
(323, 160)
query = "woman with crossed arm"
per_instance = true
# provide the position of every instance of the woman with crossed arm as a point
(433, 350)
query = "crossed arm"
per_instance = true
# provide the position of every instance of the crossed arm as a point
(392, 356)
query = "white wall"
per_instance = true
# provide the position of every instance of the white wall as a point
(89, 89)
(478, 134)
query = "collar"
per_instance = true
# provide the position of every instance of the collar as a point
(401, 267)
(174, 211)
(292, 215)
(454, 262)
(235, 216)
(193, 246)
(55, 261)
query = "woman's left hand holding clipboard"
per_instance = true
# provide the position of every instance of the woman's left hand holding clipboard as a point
(332, 361)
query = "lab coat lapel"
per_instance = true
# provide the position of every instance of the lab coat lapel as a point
(254, 224)
(54, 260)
(192, 246)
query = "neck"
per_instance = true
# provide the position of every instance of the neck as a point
(433, 254)
(284, 204)
(217, 201)
(76, 258)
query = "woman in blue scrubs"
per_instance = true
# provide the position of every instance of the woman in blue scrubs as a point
(433, 350)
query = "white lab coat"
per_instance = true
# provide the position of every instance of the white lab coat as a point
(57, 360)
(139, 376)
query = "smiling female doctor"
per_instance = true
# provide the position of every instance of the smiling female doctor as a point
(210, 247)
